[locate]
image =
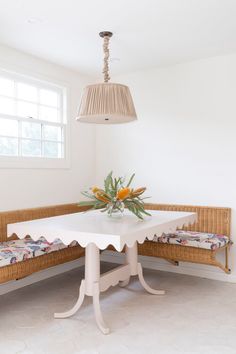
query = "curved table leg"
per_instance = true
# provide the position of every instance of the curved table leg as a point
(145, 285)
(97, 310)
(124, 283)
(76, 307)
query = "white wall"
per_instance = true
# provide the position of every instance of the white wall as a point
(183, 146)
(20, 188)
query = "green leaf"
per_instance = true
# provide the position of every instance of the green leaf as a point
(87, 203)
(146, 213)
(130, 180)
(88, 195)
(99, 206)
(112, 184)
(108, 181)
(136, 207)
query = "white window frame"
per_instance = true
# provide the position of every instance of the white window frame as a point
(40, 162)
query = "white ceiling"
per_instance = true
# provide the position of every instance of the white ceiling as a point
(147, 33)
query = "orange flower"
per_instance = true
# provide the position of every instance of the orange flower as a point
(100, 196)
(95, 189)
(123, 193)
(137, 192)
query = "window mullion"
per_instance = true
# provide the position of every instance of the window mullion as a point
(19, 138)
(31, 120)
(15, 98)
(63, 139)
(41, 139)
(38, 102)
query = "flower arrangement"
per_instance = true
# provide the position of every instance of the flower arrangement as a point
(116, 196)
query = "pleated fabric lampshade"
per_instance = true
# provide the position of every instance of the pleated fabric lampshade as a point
(106, 103)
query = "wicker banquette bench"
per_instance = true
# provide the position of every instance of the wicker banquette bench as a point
(34, 256)
(197, 243)
(42, 255)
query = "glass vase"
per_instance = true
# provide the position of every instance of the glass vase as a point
(116, 209)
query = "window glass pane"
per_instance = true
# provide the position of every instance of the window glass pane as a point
(8, 146)
(27, 92)
(6, 87)
(31, 130)
(52, 149)
(49, 114)
(31, 148)
(25, 109)
(52, 133)
(7, 106)
(49, 98)
(8, 127)
(28, 137)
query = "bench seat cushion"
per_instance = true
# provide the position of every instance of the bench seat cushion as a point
(194, 239)
(18, 250)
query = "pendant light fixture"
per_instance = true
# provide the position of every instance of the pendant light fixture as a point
(106, 103)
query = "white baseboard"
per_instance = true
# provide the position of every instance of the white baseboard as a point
(38, 276)
(197, 270)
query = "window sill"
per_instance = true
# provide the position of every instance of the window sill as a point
(33, 162)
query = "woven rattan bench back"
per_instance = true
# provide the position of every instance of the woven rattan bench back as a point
(9, 217)
(210, 219)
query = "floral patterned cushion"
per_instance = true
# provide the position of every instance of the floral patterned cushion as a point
(193, 239)
(18, 250)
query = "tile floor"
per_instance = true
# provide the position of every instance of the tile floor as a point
(196, 316)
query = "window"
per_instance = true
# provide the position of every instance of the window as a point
(32, 118)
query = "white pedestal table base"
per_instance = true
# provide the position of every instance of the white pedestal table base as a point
(94, 283)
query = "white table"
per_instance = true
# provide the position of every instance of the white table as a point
(95, 230)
